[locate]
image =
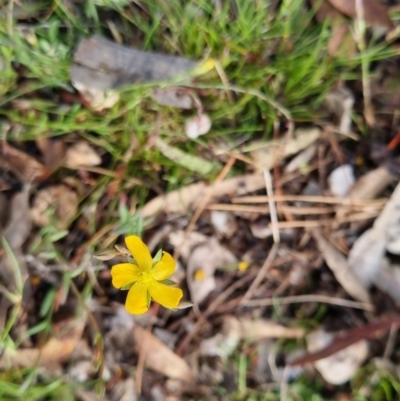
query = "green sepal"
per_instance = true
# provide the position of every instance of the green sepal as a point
(131, 260)
(148, 299)
(168, 282)
(158, 257)
(128, 286)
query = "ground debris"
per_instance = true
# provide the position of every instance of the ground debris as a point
(17, 230)
(101, 66)
(54, 352)
(268, 154)
(341, 180)
(60, 199)
(201, 266)
(160, 358)
(374, 12)
(367, 254)
(341, 366)
(189, 197)
(81, 154)
(237, 329)
(337, 263)
(24, 166)
(197, 126)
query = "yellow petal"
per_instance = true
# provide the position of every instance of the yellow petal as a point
(136, 301)
(164, 268)
(166, 296)
(124, 274)
(140, 252)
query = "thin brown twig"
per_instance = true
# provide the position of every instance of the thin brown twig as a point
(309, 298)
(275, 231)
(213, 306)
(336, 130)
(224, 80)
(244, 159)
(358, 216)
(327, 222)
(265, 209)
(261, 273)
(277, 176)
(391, 342)
(365, 65)
(309, 198)
(272, 207)
(109, 173)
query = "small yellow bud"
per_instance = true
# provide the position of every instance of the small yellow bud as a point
(199, 275)
(204, 67)
(243, 265)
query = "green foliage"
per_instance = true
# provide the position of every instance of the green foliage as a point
(272, 65)
(28, 385)
(129, 224)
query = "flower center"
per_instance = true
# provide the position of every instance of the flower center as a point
(147, 278)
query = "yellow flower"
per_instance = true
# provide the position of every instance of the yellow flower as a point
(146, 278)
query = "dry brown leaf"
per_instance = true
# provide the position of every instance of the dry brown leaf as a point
(340, 28)
(267, 154)
(160, 358)
(341, 41)
(340, 103)
(125, 390)
(224, 223)
(186, 243)
(235, 330)
(368, 251)
(338, 264)
(374, 12)
(302, 159)
(25, 167)
(325, 11)
(55, 351)
(19, 223)
(189, 198)
(260, 329)
(369, 186)
(96, 99)
(63, 200)
(388, 279)
(366, 255)
(53, 151)
(341, 366)
(372, 184)
(15, 234)
(349, 337)
(4, 203)
(81, 154)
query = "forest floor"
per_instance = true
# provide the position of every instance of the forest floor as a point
(257, 142)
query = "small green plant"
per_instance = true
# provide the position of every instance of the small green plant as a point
(128, 223)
